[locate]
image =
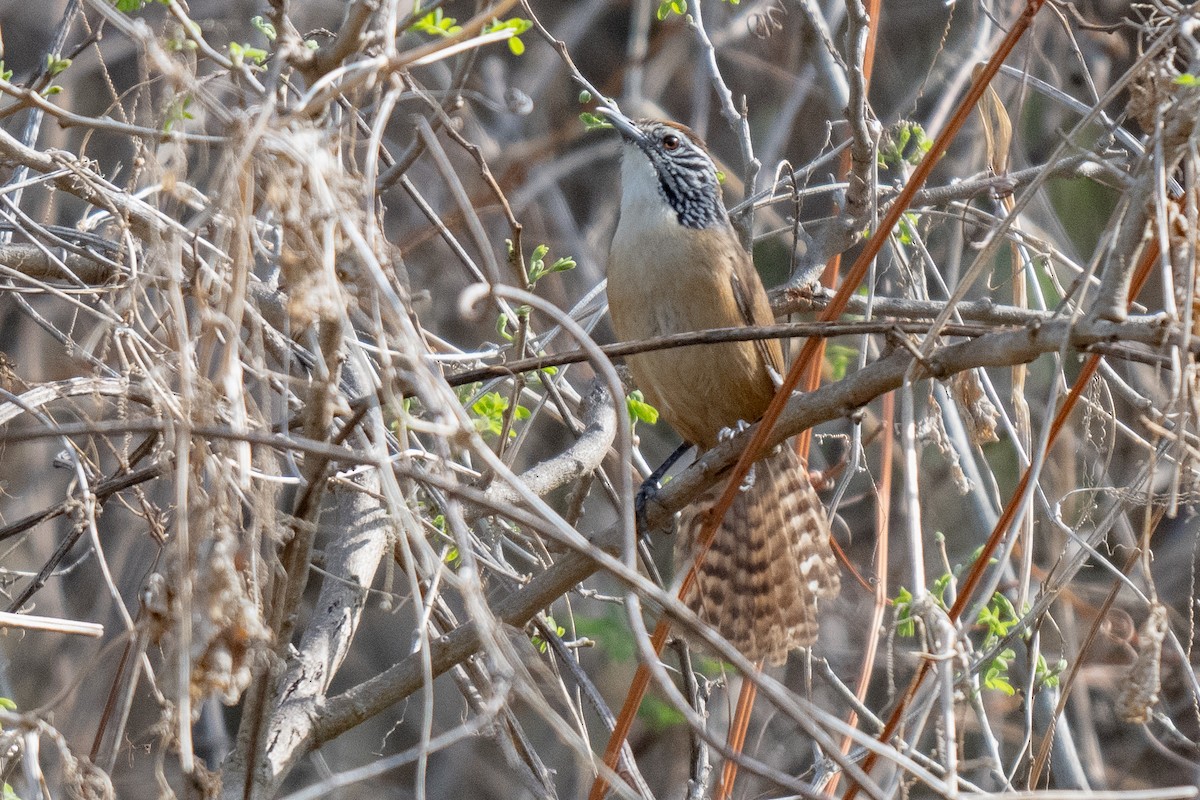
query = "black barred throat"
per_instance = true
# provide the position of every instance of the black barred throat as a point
(687, 176)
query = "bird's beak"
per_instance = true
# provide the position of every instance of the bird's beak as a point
(623, 124)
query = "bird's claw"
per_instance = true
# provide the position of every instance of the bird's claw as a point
(748, 481)
(725, 434)
(646, 494)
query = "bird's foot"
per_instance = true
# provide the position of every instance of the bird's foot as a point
(725, 434)
(646, 494)
(748, 481)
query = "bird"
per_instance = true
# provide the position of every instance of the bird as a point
(676, 265)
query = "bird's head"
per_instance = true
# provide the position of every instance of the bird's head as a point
(667, 163)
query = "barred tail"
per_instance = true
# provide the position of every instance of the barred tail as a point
(769, 562)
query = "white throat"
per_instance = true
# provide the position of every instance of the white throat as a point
(642, 203)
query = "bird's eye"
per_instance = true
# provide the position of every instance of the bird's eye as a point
(670, 142)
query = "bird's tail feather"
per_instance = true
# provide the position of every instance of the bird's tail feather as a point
(769, 563)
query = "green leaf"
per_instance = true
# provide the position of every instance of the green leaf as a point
(56, 65)
(517, 25)
(994, 680)
(537, 264)
(905, 143)
(437, 24)
(540, 643)
(592, 122)
(466, 392)
(129, 6)
(264, 27)
(1187, 79)
(177, 111)
(240, 53)
(838, 357)
(998, 616)
(585, 96)
(907, 228)
(489, 412)
(938, 590)
(995, 676)
(906, 624)
(639, 409)
(5, 74)
(502, 327)
(668, 7)
(1049, 676)
(179, 41)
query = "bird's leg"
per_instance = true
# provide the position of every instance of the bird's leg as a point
(724, 435)
(648, 491)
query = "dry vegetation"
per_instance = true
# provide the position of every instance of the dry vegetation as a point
(315, 477)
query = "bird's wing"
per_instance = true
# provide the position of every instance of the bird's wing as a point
(755, 308)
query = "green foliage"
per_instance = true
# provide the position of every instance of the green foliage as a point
(906, 624)
(1187, 79)
(668, 7)
(585, 97)
(518, 26)
(659, 715)
(56, 65)
(838, 357)
(179, 41)
(540, 643)
(5, 74)
(437, 24)
(502, 322)
(177, 111)
(996, 619)
(995, 673)
(906, 143)
(906, 230)
(610, 632)
(720, 177)
(264, 27)
(538, 268)
(639, 409)
(130, 6)
(592, 122)
(1048, 676)
(9, 793)
(239, 53)
(489, 411)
